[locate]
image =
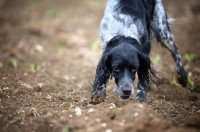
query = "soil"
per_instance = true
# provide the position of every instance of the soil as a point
(48, 58)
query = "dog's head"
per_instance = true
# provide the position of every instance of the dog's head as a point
(124, 58)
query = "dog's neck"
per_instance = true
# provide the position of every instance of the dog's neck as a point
(119, 39)
(115, 22)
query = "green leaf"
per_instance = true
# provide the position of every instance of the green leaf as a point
(156, 59)
(174, 81)
(38, 68)
(66, 129)
(96, 44)
(189, 57)
(32, 66)
(14, 63)
(59, 48)
(191, 82)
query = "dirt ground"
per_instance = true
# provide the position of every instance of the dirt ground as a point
(48, 57)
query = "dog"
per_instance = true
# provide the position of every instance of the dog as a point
(126, 32)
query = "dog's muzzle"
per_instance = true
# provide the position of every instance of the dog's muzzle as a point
(125, 90)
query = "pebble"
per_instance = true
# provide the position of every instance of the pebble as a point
(89, 105)
(85, 118)
(136, 114)
(108, 130)
(103, 124)
(112, 105)
(78, 111)
(91, 110)
(98, 120)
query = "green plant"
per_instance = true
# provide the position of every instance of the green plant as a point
(14, 63)
(59, 48)
(164, 98)
(156, 59)
(95, 45)
(71, 105)
(66, 129)
(23, 118)
(174, 81)
(32, 66)
(191, 82)
(38, 68)
(189, 57)
(154, 85)
(54, 10)
(192, 111)
(8, 96)
(168, 111)
(94, 2)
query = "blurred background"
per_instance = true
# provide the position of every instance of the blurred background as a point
(49, 50)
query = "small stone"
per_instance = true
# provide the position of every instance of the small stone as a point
(103, 124)
(112, 105)
(78, 111)
(98, 120)
(136, 114)
(108, 130)
(48, 97)
(85, 118)
(91, 110)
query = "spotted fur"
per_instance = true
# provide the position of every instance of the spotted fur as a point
(125, 32)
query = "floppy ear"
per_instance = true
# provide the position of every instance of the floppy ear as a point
(103, 70)
(146, 73)
(144, 68)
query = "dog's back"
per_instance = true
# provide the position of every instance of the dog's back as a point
(131, 18)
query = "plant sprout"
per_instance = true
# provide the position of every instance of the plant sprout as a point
(71, 105)
(174, 81)
(192, 111)
(156, 59)
(14, 63)
(189, 57)
(32, 66)
(59, 48)
(95, 45)
(154, 85)
(191, 82)
(38, 68)
(23, 119)
(8, 96)
(164, 98)
(66, 129)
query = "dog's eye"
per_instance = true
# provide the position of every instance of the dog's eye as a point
(133, 69)
(116, 69)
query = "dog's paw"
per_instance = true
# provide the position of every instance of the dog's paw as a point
(182, 77)
(138, 99)
(98, 96)
(141, 98)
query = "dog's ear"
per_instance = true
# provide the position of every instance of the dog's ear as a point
(144, 69)
(103, 70)
(146, 73)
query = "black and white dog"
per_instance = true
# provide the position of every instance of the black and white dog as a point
(125, 31)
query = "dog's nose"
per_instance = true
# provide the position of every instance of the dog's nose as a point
(127, 92)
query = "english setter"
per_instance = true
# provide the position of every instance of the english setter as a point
(125, 32)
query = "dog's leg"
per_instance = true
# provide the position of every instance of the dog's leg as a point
(162, 31)
(143, 76)
(99, 88)
(141, 92)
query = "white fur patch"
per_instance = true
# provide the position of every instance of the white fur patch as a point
(116, 23)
